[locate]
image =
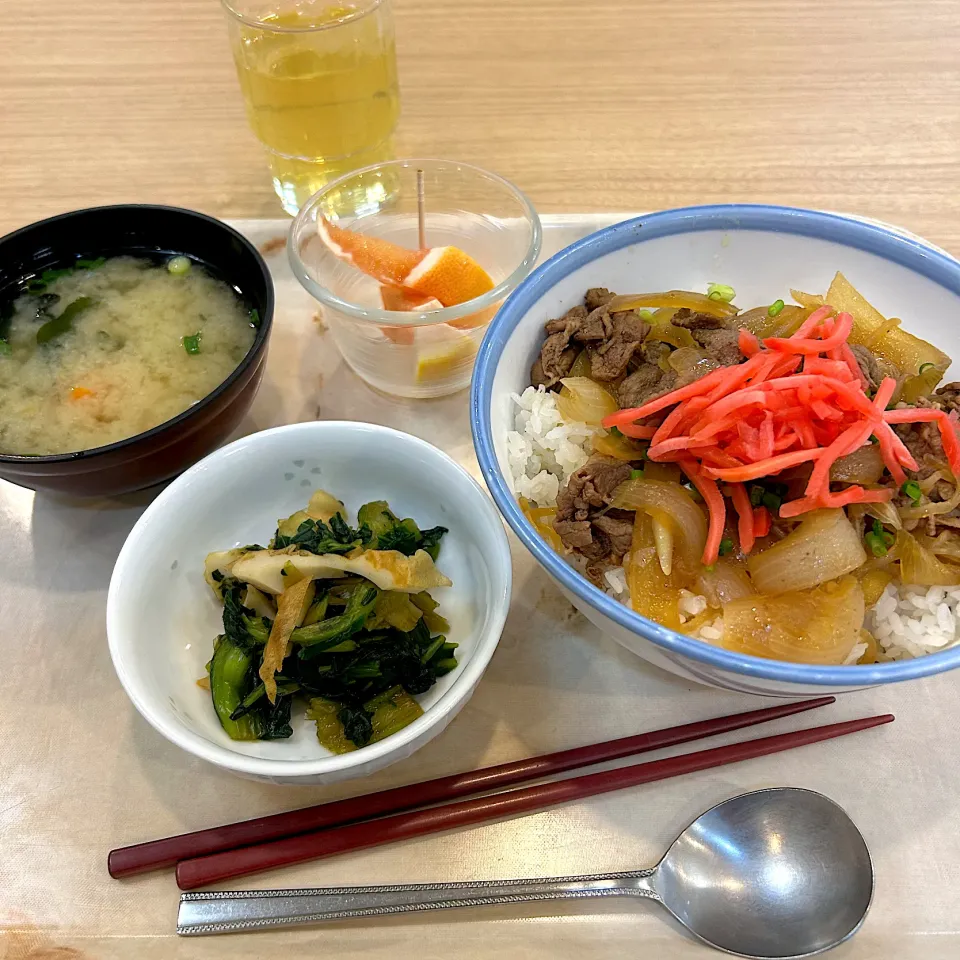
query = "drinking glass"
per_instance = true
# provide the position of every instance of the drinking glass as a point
(319, 81)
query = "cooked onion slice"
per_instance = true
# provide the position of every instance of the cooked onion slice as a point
(583, 401)
(919, 565)
(819, 626)
(823, 547)
(671, 505)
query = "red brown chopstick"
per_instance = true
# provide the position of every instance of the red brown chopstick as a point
(229, 864)
(141, 857)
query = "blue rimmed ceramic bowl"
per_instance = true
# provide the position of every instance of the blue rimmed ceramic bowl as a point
(762, 251)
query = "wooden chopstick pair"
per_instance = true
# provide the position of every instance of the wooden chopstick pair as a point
(234, 850)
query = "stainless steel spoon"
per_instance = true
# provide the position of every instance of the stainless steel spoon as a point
(781, 873)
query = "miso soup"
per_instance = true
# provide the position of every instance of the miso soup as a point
(106, 349)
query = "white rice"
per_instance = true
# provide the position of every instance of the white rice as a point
(544, 450)
(910, 621)
(690, 605)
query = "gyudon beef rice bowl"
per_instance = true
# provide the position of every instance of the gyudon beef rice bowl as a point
(780, 481)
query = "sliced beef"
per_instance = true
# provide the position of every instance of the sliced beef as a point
(554, 362)
(868, 365)
(597, 297)
(948, 397)
(557, 355)
(584, 521)
(647, 382)
(575, 534)
(619, 532)
(923, 442)
(720, 344)
(598, 325)
(591, 486)
(609, 360)
(690, 320)
(569, 323)
(654, 351)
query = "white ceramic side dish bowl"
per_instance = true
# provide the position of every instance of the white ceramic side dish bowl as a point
(762, 252)
(162, 617)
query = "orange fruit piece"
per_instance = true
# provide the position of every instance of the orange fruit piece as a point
(448, 274)
(384, 261)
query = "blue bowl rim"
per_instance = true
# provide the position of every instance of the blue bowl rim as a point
(859, 234)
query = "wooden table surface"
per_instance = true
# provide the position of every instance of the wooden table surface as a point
(606, 105)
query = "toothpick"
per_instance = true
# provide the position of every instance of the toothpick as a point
(421, 213)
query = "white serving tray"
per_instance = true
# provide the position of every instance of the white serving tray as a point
(80, 772)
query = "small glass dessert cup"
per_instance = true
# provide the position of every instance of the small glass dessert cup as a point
(419, 348)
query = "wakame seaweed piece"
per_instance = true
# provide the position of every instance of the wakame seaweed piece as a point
(318, 637)
(61, 324)
(232, 674)
(39, 284)
(95, 264)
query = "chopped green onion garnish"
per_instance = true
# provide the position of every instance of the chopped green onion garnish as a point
(877, 547)
(912, 490)
(192, 344)
(255, 318)
(636, 474)
(756, 495)
(726, 546)
(91, 264)
(614, 432)
(178, 266)
(5, 348)
(720, 291)
(645, 314)
(775, 308)
(925, 366)
(873, 439)
(771, 501)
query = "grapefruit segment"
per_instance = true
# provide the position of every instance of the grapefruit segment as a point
(381, 259)
(398, 298)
